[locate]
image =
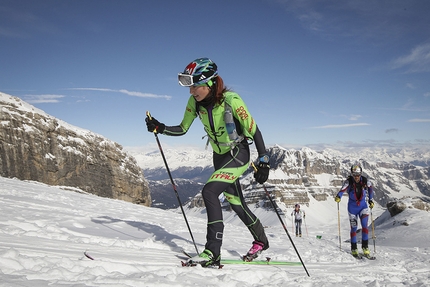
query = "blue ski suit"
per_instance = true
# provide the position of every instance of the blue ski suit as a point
(357, 205)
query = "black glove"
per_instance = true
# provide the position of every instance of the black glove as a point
(371, 203)
(154, 126)
(262, 173)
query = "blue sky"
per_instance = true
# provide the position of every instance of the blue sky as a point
(352, 73)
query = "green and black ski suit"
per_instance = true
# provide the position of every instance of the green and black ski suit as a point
(230, 160)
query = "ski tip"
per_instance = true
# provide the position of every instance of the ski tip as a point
(88, 256)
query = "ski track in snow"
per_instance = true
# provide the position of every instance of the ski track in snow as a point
(44, 232)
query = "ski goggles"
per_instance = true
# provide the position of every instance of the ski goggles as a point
(185, 80)
(356, 173)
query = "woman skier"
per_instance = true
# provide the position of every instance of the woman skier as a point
(229, 126)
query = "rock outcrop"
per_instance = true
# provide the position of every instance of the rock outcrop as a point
(36, 146)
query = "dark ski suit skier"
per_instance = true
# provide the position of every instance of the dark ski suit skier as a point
(214, 104)
(358, 189)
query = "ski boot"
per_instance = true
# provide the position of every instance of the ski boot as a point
(256, 249)
(354, 250)
(366, 251)
(205, 259)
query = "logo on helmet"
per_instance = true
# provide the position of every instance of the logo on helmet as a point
(190, 68)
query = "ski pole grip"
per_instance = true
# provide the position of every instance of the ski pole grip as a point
(148, 114)
(255, 168)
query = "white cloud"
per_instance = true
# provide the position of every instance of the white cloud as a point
(354, 117)
(361, 20)
(418, 60)
(419, 120)
(126, 92)
(341, 126)
(410, 86)
(43, 99)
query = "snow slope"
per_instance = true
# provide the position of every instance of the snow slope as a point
(45, 230)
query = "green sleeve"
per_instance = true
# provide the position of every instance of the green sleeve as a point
(189, 116)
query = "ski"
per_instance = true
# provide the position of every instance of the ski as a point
(268, 261)
(362, 256)
(88, 256)
(369, 257)
(241, 262)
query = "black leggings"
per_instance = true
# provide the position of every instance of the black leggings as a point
(228, 168)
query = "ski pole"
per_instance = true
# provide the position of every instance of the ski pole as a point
(292, 224)
(173, 184)
(307, 234)
(282, 222)
(338, 225)
(373, 231)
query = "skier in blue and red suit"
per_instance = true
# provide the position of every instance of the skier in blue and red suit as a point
(358, 189)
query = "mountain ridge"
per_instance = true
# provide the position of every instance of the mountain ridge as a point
(297, 174)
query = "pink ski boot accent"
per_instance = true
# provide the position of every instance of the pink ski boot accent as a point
(256, 249)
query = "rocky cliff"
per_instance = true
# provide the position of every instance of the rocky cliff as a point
(299, 176)
(39, 147)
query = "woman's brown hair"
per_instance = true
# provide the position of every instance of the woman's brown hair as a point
(218, 90)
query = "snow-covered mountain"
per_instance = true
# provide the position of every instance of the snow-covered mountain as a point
(297, 175)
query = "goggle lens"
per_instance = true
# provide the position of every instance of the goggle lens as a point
(185, 80)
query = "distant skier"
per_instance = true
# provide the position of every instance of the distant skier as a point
(298, 215)
(228, 125)
(358, 189)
